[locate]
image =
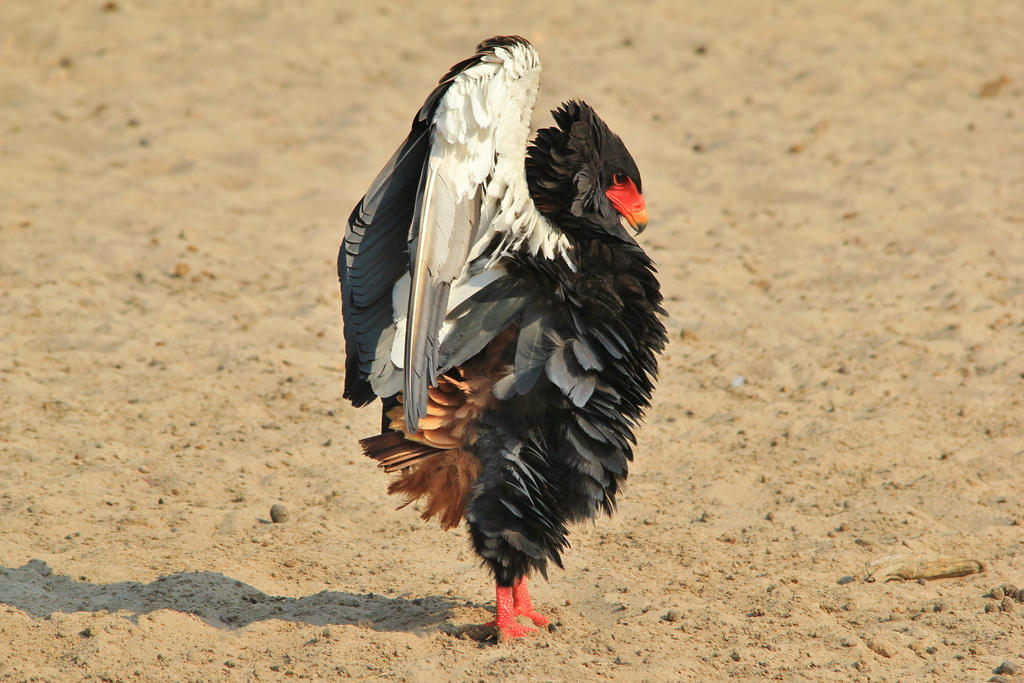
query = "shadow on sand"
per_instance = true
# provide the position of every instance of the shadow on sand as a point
(217, 599)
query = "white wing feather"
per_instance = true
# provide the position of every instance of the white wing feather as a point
(474, 191)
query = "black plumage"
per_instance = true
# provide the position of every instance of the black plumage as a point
(521, 413)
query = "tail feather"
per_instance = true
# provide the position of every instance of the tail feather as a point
(393, 452)
(436, 465)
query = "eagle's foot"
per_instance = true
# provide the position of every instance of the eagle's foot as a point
(511, 602)
(523, 607)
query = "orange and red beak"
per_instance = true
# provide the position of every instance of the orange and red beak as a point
(628, 201)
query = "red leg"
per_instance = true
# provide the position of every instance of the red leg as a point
(505, 619)
(512, 602)
(523, 605)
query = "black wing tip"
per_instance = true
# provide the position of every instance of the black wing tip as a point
(490, 44)
(484, 47)
(359, 395)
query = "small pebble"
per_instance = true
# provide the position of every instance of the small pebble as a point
(674, 615)
(1006, 668)
(735, 656)
(278, 513)
(997, 593)
(882, 647)
(1006, 605)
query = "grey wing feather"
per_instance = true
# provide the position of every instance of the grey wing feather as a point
(439, 242)
(484, 320)
(372, 259)
(531, 349)
(567, 374)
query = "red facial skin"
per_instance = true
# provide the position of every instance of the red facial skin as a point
(628, 201)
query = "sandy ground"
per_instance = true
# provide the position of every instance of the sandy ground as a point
(837, 209)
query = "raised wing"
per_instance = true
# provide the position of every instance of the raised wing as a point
(429, 233)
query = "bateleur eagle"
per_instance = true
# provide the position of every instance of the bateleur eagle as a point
(499, 307)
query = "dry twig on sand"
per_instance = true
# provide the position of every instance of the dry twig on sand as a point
(911, 567)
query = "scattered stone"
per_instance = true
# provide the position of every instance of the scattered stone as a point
(1006, 605)
(990, 607)
(673, 615)
(843, 580)
(735, 656)
(882, 647)
(1006, 668)
(278, 513)
(87, 632)
(999, 679)
(997, 593)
